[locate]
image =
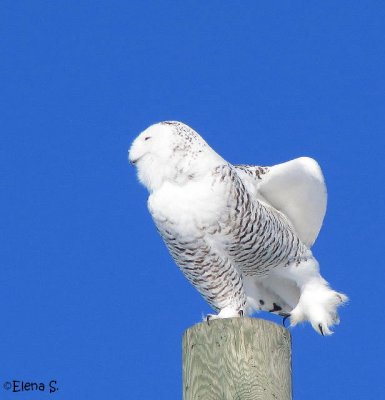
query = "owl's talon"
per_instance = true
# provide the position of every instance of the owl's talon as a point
(208, 318)
(285, 317)
(240, 313)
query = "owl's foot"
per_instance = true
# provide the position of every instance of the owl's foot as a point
(319, 307)
(227, 312)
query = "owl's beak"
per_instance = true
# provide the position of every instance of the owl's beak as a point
(135, 153)
(131, 159)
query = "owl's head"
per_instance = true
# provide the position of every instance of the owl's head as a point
(171, 151)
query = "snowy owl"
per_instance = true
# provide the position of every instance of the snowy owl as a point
(241, 234)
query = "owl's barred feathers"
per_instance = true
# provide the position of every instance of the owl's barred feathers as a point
(240, 234)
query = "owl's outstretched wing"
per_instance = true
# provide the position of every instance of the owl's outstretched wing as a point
(296, 188)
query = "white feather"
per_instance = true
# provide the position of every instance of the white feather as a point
(297, 189)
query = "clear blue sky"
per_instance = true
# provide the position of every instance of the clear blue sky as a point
(89, 295)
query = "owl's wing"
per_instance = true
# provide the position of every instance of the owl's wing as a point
(296, 188)
(208, 270)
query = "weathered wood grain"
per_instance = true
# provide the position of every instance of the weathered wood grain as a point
(236, 358)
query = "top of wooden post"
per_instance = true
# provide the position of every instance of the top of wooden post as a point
(236, 358)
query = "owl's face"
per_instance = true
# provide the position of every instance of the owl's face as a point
(169, 151)
(152, 143)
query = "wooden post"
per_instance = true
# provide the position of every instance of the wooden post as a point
(236, 358)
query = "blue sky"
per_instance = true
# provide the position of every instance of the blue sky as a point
(89, 295)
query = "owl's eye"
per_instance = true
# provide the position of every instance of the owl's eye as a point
(148, 137)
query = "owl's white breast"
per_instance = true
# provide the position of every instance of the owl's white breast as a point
(188, 206)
